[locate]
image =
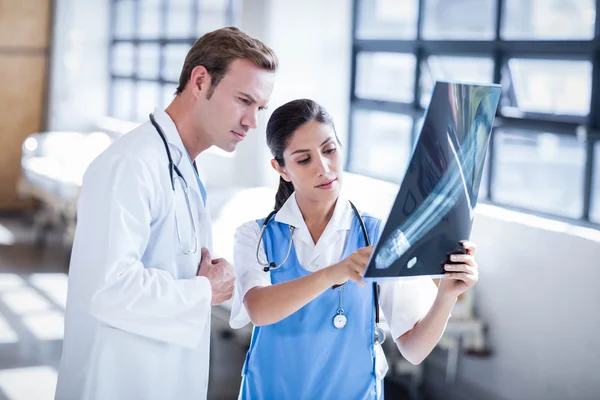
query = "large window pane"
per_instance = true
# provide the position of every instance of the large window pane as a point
(595, 206)
(167, 95)
(179, 19)
(549, 86)
(459, 19)
(381, 144)
(122, 99)
(122, 59)
(539, 171)
(149, 61)
(147, 98)
(174, 58)
(447, 68)
(385, 76)
(548, 19)
(212, 14)
(150, 21)
(387, 19)
(124, 19)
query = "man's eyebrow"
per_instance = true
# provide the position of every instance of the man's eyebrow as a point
(252, 99)
(306, 150)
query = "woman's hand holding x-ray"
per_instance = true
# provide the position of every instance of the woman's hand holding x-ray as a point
(220, 275)
(351, 267)
(461, 274)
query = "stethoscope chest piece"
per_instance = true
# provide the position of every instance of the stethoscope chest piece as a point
(379, 335)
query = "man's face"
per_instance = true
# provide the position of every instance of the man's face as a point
(232, 109)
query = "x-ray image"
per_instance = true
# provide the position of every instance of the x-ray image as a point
(434, 206)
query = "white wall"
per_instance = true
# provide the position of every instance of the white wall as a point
(538, 295)
(79, 64)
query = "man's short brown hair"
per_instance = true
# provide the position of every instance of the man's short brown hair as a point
(216, 50)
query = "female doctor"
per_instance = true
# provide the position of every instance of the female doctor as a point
(299, 279)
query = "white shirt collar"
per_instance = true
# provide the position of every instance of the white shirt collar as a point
(290, 214)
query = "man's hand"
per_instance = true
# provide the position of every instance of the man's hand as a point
(220, 275)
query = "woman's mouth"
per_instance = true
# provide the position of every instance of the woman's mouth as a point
(326, 185)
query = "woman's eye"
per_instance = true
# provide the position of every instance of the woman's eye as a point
(330, 151)
(304, 161)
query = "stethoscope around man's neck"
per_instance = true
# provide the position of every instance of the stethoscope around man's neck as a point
(271, 266)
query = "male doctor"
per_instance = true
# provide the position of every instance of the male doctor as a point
(141, 279)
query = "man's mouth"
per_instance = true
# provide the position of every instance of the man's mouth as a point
(239, 135)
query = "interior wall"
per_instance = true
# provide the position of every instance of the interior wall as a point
(24, 48)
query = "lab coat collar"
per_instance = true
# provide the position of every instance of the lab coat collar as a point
(180, 155)
(170, 130)
(290, 214)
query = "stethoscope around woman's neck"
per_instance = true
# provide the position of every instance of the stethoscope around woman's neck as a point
(340, 318)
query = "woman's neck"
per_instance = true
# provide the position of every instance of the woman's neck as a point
(316, 214)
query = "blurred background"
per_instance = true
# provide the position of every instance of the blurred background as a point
(75, 75)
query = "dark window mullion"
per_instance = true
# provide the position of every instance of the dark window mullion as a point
(498, 64)
(351, 131)
(419, 58)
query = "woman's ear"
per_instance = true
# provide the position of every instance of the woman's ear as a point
(280, 170)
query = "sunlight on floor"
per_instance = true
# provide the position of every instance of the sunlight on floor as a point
(33, 383)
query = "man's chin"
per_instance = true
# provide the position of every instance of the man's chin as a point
(228, 147)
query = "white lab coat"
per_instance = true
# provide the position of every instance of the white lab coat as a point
(137, 322)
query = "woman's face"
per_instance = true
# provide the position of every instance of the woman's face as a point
(313, 162)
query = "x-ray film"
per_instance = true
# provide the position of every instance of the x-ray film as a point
(434, 207)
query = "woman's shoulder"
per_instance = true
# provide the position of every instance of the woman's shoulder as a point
(249, 229)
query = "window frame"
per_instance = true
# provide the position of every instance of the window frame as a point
(500, 50)
(162, 40)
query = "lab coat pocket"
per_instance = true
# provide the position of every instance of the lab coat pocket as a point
(381, 364)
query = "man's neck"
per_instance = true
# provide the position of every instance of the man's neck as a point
(181, 114)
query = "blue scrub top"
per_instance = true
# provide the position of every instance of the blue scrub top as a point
(304, 356)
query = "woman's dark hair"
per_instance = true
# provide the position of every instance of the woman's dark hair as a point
(284, 121)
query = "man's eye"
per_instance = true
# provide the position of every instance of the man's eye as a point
(245, 101)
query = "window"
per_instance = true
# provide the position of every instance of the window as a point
(540, 171)
(542, 86)
(459, 19)
(386, 76)
(548, 19)
(383, 149)
(385, 19)
(150, 40)
(443, 68)
(544, 53)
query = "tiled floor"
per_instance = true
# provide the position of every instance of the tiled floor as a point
(32, 297)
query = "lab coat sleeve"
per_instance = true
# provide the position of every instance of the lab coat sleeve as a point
(113, 230)
(249, 273)
(405, 301)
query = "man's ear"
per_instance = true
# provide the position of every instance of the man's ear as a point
(200, 81)
(280, 170)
